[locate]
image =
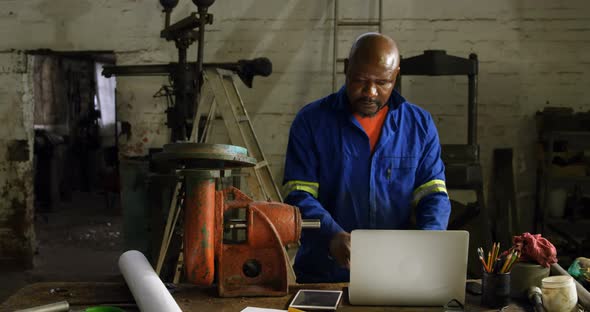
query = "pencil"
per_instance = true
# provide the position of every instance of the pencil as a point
(495, 255)
(516, 256)
(491, 263)
(508, 259)
(480, 254)
(484, 264)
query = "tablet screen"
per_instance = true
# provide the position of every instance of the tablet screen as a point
(317, 299)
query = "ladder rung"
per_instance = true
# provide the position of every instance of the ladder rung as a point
(243, 118)
(368, 23)
(261, 164)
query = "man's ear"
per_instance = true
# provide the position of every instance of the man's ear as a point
(395, 74)
(345, 65)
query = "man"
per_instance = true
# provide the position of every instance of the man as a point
(362, 158)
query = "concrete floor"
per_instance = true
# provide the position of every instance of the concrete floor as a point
(80, 240)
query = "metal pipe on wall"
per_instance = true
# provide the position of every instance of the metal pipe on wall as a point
(472, 102)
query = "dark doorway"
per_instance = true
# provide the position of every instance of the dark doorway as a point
(78, 221)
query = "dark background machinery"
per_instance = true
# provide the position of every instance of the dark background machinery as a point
(187, 77)
(227, 238)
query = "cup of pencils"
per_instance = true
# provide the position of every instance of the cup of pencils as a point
(496, 275)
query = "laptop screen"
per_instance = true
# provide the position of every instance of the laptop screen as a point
(407, 267)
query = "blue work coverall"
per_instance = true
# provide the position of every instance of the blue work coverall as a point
(331, 175)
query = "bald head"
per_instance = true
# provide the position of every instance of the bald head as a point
(371, 70)
(375, 48)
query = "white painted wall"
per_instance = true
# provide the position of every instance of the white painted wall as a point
(532, 53)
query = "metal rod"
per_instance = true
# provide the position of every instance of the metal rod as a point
(236, 226)
(181, 27)
(261, 67)
(138, 70)
(310, 224)
(201, 48)
(178, 132)
(167, 18)
(198, 78)
(472, 105)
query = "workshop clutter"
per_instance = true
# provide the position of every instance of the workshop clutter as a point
(530, 255)
(580, 270)
(564, 171)
(536, 255)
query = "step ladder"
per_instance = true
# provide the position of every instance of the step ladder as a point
(220, 94)
(349, 23)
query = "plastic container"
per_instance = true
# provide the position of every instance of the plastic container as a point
(559, 294)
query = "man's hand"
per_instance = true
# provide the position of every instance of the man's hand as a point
(340, 248)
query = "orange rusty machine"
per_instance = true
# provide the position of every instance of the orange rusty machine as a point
(230, 239)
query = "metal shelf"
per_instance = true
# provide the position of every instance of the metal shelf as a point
(566, 133)
(557, 221)
(567, 179)
(576, 141)
(574, 230)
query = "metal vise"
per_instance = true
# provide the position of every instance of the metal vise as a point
(228, 237)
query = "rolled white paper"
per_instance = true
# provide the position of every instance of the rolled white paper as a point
(53, 307)
(148, 290)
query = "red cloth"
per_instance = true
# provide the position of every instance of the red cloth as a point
(533, 247)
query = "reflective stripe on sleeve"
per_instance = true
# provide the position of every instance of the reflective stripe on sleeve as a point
(434, 186)
(298, 185)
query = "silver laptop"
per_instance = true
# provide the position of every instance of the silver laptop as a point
(407, 267)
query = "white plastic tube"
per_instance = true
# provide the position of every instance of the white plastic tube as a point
(148, 290)
(54, 307)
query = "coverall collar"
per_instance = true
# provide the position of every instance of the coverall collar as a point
(394, 102)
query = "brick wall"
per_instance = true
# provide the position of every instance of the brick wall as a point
(532, 53)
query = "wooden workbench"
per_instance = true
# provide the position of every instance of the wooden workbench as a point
(81, 295)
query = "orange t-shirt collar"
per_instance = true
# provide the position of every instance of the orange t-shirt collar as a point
(372, 125)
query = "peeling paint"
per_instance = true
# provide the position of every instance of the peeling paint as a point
(205, 237)
(16, 218)
(16, 166)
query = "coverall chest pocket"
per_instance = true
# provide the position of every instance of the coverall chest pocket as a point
(398, 169)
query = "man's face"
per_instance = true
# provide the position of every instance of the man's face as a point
(369, 86)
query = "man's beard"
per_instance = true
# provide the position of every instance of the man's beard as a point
(368, 100)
